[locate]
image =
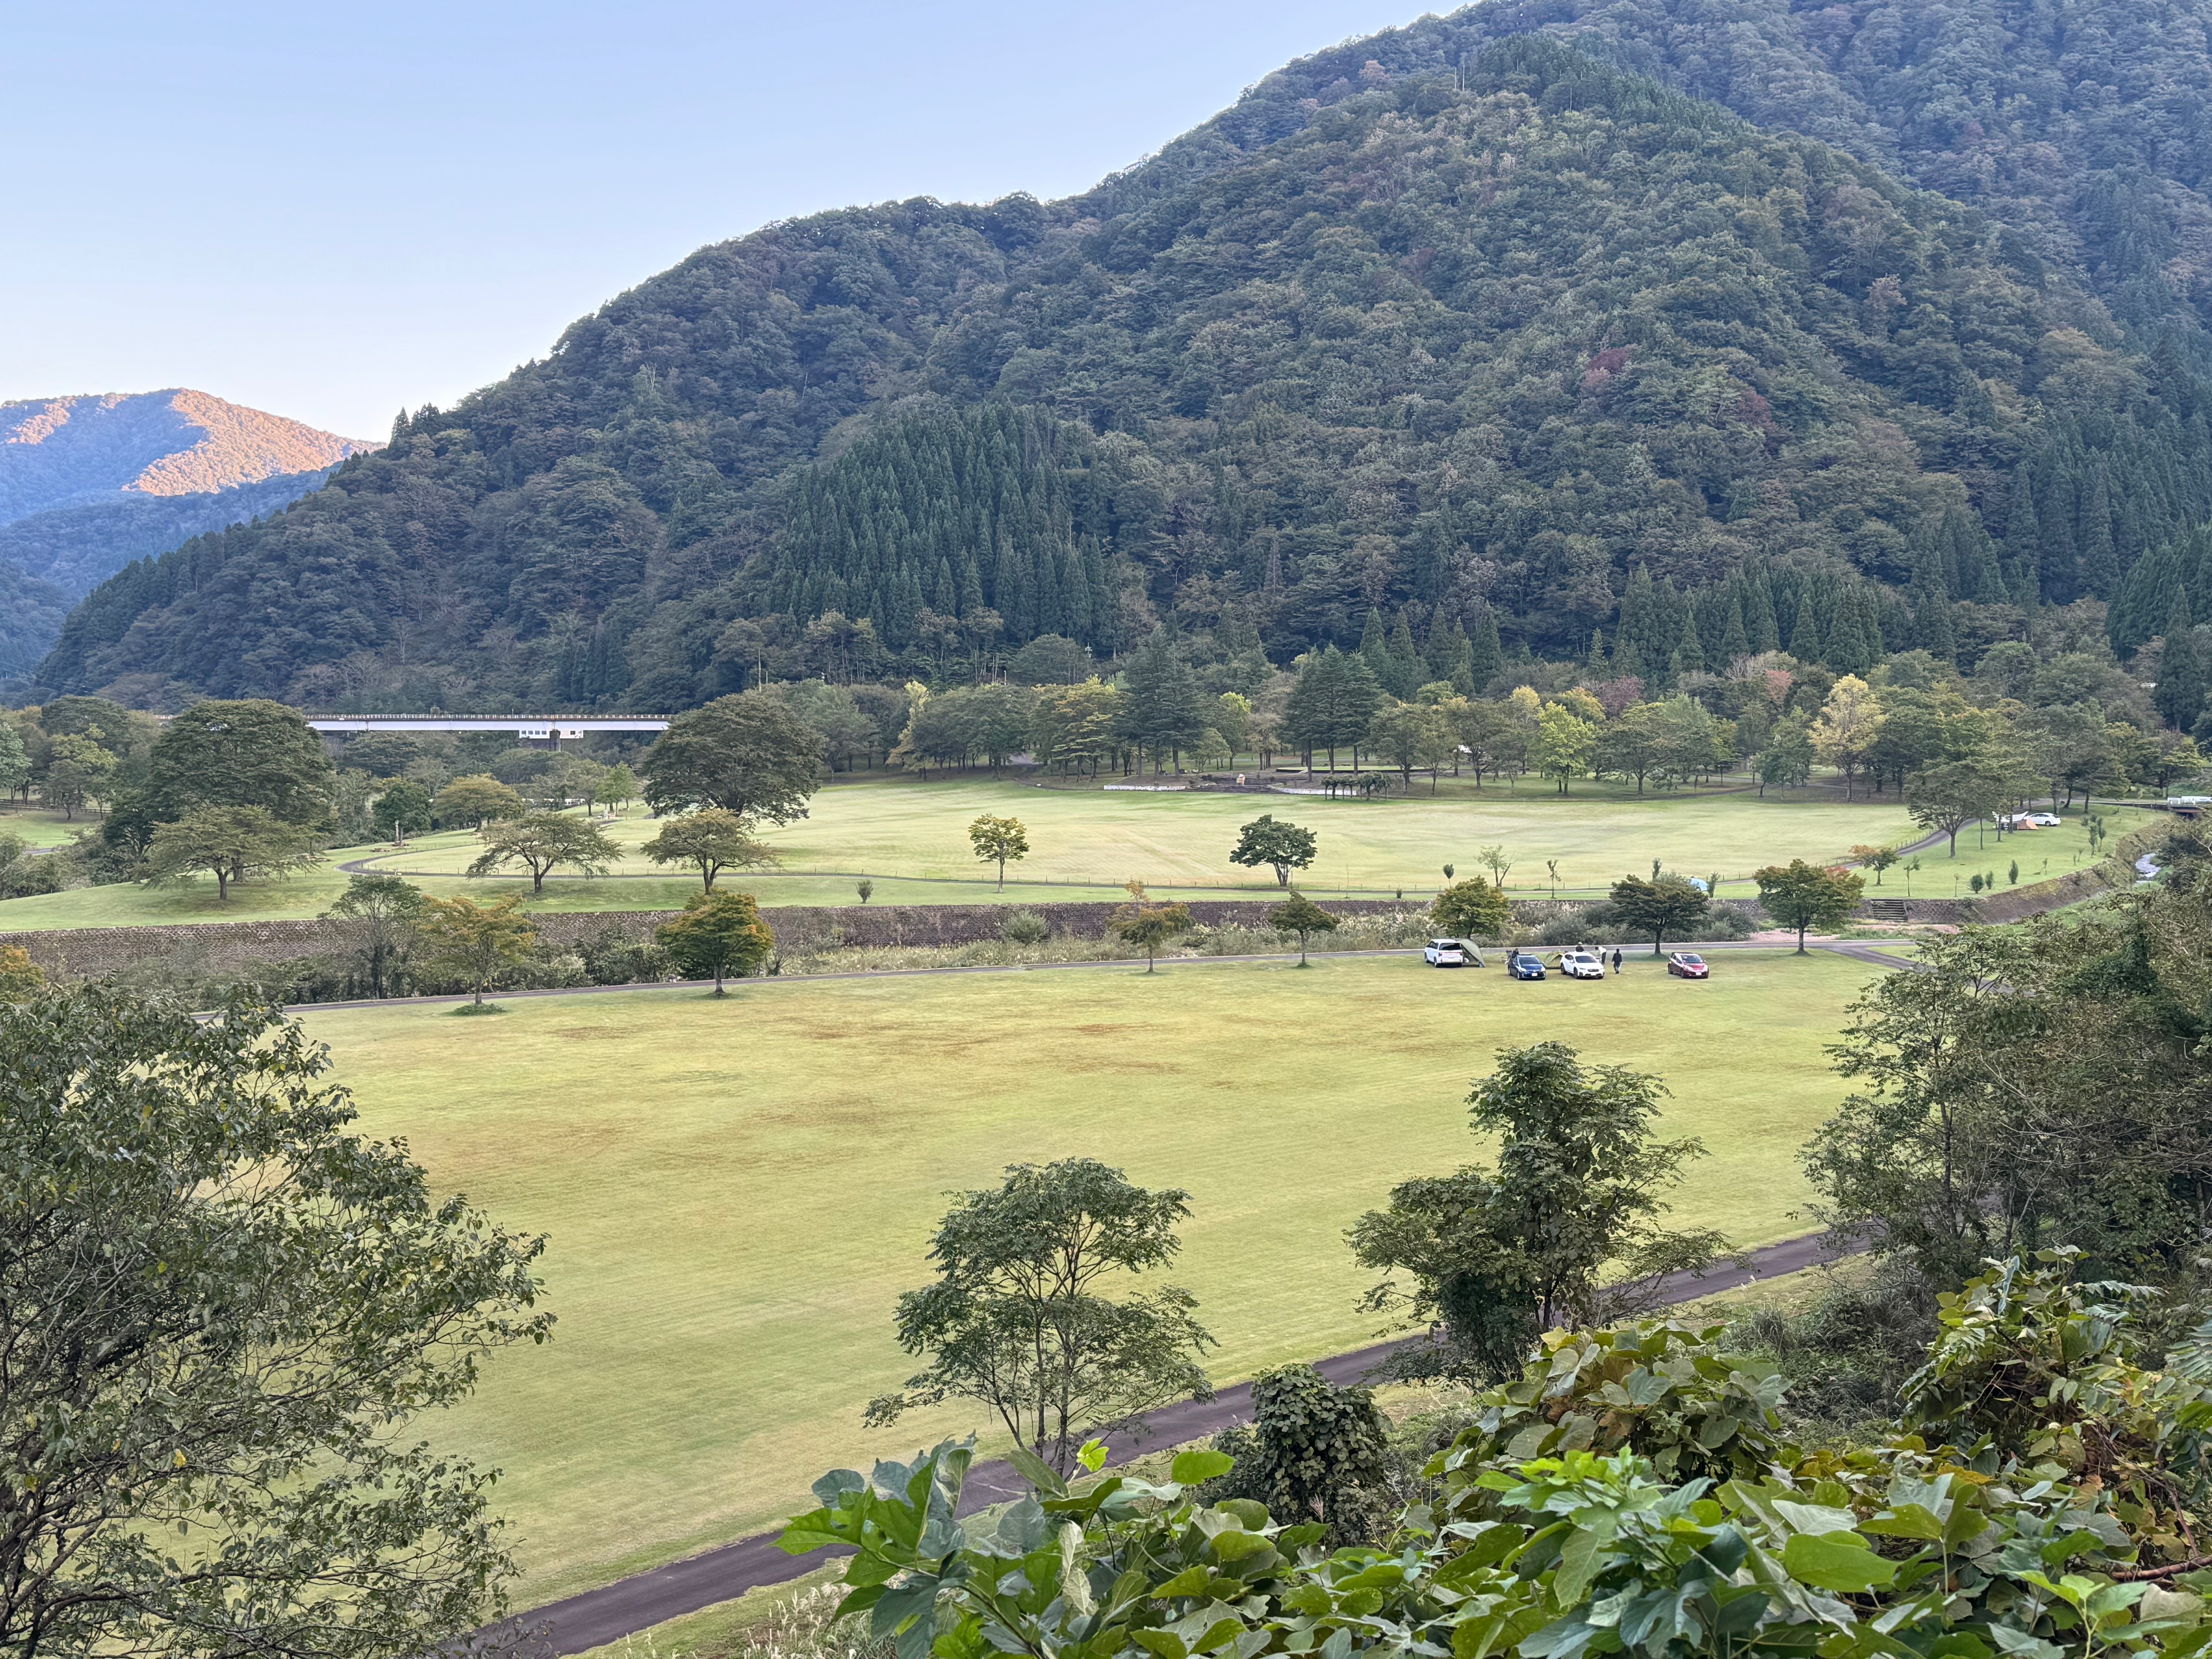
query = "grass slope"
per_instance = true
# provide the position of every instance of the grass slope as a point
(738, 1191)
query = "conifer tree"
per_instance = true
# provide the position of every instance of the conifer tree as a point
(2179, 694)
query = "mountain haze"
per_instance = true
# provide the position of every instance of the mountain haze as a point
(89, 483)
(1467, 323)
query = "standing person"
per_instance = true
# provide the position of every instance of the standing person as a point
(1616, 958)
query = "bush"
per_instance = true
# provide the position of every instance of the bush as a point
(611, 956)
(1026, 927)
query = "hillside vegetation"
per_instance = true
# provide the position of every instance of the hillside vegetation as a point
(1461, 331)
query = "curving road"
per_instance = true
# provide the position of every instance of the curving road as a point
(630, 1606)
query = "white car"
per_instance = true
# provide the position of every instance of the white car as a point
(1581, 965)
(1449, 953)
(2046, 820)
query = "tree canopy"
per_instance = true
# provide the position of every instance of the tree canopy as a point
(292, 1298)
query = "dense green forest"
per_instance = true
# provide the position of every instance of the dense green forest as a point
(1476, 333)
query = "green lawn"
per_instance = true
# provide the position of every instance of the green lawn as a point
(738, 1191)
(909, 838)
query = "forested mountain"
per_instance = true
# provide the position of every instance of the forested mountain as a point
(88, 484)
(1465, 329)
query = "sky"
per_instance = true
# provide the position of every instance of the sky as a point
(331, 212)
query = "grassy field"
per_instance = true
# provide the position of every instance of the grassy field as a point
(909, 838)
(738, 1191)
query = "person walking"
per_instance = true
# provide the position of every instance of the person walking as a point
(1616, 958)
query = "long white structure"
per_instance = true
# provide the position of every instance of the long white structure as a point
(540, 728)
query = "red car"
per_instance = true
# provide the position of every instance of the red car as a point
(1686, 964)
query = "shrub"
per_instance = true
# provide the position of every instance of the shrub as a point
(1026, 927)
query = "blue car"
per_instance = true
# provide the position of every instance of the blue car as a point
(1524, 966)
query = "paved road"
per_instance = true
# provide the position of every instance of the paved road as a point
(631, 1605)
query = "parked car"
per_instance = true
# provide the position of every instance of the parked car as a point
(2046, 820)
(1524, 966)
(1449, 953)
(1686, 964)
(1581, 965)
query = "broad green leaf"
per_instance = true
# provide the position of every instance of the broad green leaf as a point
(1166, 1644)
(1813, 1517)
(1581, 1559)
(1092, 1455)
(1835, 1561)
(1190, 1467)
(1038, 1473)
(1905, 1521)
(836, 1484)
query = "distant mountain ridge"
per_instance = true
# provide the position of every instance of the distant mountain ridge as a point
(89, 483)
(69, 452)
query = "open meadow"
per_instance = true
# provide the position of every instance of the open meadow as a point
(738, 1191)
(910, 839)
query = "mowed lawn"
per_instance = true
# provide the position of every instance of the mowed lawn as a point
(737, 1191)
(910, 839)
(904, 827)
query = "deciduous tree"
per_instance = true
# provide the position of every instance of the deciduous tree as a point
(1565, 1229)
(1301, 915)
(997, 839)
(748, 754)
(541, 843)
(1280, 847)
(476, 943)
(380, 916)
(229, 843)
(474, 801)
(1020, 1318)
(403, 805)
(1805, 896)
(251, 752)
(1472, 908)
(718, 934)
(711, 839)
(225, 1314)
(1145, 925)
(1659, 908)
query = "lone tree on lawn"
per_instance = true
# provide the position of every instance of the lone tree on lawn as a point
(1805, 896)
(1000, 839)
(1301, 915)
(1667, 905)
(1282, 848)
(718, 933)
(541, 841)
(1564, 1230)
(1019, 1320)
(229, 843)
(224, 1312)
(713, 839)
(1148, 926)
(474, 942)
(1471, 909)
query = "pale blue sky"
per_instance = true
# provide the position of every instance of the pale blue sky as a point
(327, 212)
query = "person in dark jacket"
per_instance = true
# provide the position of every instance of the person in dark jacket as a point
(1616, 958)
